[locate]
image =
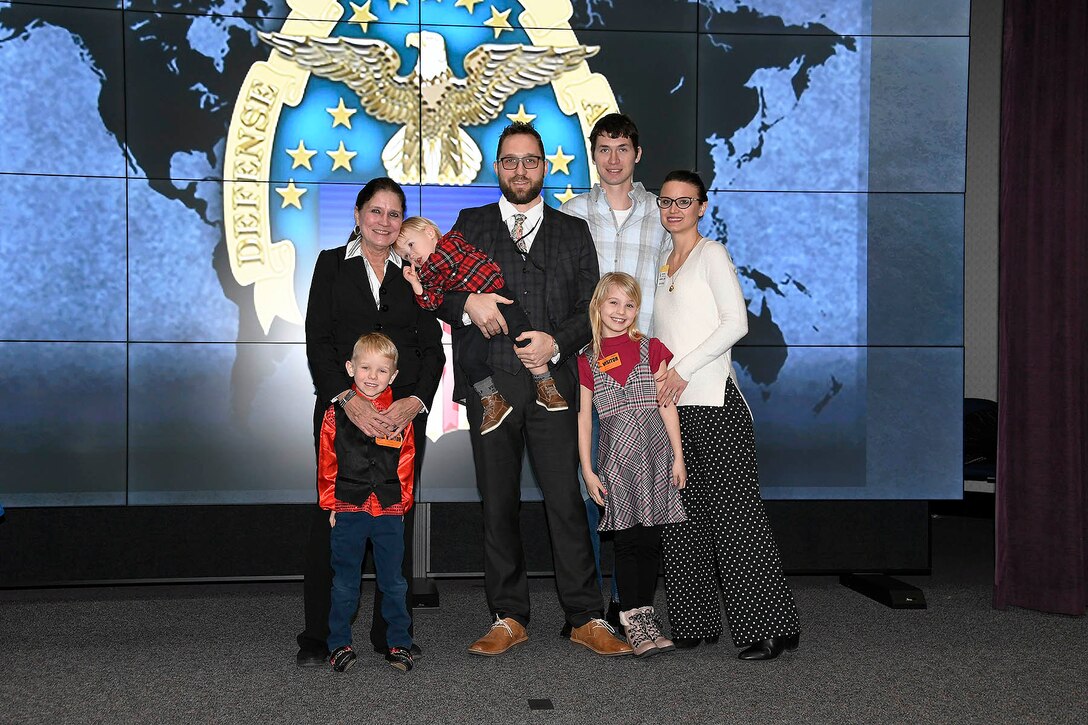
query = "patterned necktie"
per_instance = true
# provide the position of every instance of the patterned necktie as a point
(517, 232)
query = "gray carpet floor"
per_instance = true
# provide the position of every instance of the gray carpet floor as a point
(225, 653)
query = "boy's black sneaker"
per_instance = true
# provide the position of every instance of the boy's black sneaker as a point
(342, 658)
(400, 658)
(417, 653)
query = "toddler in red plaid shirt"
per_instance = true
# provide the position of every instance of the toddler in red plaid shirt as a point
(446, 263)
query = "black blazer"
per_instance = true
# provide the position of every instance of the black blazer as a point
(569, 260)
(341, 308)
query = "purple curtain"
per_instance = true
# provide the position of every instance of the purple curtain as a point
(1042, 504)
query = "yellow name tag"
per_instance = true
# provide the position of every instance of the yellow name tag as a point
(607, 363)
(390, 442)
(662, 275)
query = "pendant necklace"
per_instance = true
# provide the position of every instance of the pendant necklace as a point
(672, 284)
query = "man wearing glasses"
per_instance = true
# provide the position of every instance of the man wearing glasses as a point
(627, 233)
(548, 260)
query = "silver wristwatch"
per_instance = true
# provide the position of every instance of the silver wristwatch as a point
(342, 402)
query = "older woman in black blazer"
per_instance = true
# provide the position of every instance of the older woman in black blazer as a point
(356, 289)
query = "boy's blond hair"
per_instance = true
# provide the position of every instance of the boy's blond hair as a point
(418, 224)
(629, 286)
(378, 344)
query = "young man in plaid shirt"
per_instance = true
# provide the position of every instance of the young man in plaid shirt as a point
(440, 264)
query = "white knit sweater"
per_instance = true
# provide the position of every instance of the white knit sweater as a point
(700, 319)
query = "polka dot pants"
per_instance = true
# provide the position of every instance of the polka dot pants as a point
(726, 549)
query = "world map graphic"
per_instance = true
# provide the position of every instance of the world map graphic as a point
(776, 107)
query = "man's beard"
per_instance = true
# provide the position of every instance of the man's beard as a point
(525, 197)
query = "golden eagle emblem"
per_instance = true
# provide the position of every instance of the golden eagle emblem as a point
(430, 104)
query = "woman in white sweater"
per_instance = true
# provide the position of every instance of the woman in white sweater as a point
(726, 549)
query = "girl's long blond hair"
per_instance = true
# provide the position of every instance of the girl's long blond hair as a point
(629, 286)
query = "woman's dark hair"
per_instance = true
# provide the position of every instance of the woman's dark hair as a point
(382, 183)
(688, 177)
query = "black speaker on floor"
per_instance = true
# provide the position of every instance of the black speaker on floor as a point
(887, 590)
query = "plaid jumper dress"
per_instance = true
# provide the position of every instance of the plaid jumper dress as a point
(634, 458)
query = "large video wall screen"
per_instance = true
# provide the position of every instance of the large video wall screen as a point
(145, 363)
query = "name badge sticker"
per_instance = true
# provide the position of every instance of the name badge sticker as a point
(662, 275)
(607, 363)
(390, 442)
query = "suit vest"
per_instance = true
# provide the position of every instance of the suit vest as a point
(526, 279)
(363, 467)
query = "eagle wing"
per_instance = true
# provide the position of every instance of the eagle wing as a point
(368, 67)
(494, 72)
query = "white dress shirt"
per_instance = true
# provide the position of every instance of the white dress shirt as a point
(700, 319)
(533, 216)
(355, 249)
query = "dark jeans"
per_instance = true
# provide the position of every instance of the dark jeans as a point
(638, 559)
(348, 544)
(470, 346)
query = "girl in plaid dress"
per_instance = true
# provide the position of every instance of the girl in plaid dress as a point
(640, 465)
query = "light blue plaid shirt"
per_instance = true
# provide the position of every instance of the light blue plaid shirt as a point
(634, 247)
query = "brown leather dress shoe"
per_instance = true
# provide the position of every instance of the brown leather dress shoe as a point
(599, 636)
(504, 634)
(495, 411)
(548, 396)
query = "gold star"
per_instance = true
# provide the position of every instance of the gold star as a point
(521, 116)
(341, 115)
(394, 3)
(498, 21)
(300, 156)
(469, 5)
(341, 158)
(292, 195)
(565, 196)
(362, 14)
(560, 161)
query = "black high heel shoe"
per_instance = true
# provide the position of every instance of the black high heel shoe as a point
(768, 649)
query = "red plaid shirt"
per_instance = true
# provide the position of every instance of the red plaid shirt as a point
(456, 266)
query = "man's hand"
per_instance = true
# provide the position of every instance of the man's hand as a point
(483, 310)
(400, 413)
(538, 352)
(361, 412)
(332, 519)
